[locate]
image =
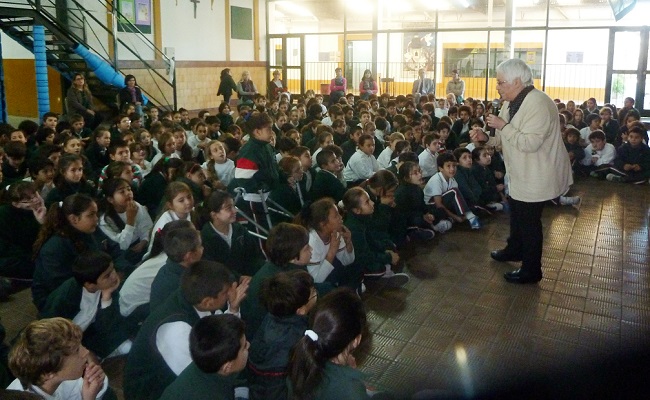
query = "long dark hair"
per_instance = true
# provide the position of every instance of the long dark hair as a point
(64, 162)
(338, 320)
(110, 214)
(316, 214)
(56, 221)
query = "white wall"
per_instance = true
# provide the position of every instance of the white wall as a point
(200, 39)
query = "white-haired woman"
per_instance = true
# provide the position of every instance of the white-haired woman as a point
(246, 89)
(528, 129)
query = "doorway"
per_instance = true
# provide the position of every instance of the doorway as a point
(628, 72)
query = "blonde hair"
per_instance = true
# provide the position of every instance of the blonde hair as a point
(42, 348)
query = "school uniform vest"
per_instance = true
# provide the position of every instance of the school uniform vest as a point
(146, 375)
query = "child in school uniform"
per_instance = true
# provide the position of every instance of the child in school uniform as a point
(326, 182)
(218, 168)
(442, 191)
(384, 158)
(309, 172)
(350, 146)
(288, 194)
(287, 248)
(49, 361)
(152, 365)
(219, 351)
(183, 248)
(227, 241)
(363, 164)
(427, 159)
(632, 163)
(492, 194)
(467, 183)
(576, 152)
(377, 262)
(90, 300)
(599, 155)
(288, 297)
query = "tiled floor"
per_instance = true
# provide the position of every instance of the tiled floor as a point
(458, 326)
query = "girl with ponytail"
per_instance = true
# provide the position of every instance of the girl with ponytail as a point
(322, 364)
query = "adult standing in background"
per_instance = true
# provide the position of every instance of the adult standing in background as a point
(528, 129)
(422, 86)
(246, 89)
(226, 86)
(457, 87)
(79, 100)
(368, 85)
(338, 86)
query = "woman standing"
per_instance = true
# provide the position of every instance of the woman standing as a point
(276, 87)
(79, 100)
(528, 129)
(337, 86)
(226, 86)
(368, 85)
(246, 89)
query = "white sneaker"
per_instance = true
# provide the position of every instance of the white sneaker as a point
(570, 201)
(613, 178)
(495, 206)
(442, 226)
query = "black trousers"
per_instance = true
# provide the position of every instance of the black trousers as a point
(526, 237)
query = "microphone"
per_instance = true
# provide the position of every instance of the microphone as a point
(496, 108)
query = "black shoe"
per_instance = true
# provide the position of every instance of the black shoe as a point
(503, 256)
(518, 277)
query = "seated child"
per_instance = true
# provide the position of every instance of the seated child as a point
(492, 194)
(14, 167)
(324, 139)
(227, 241)
(632, 163)
(161, 350)
(442, 190)
(405, 155)
(288, 297)
(412, 212)
(572, 144)
(135, 293)
(467, 183)
(41, 172)
(599, 155)
(90, 300)
(49, 361)
(288, 193)
(183, 248)
(427, 159)
(332, 258)
(593, 124)
(288, 249)
(220, 170)
(219, 351)
(304, 155)
(124, 220)
(384, 158)
(376, 261)
(363, 164)
(326, 182)
(477, 125)
(322, 364)
(350, 146)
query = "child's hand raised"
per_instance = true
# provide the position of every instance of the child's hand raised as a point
(93, 381)
(237, 294)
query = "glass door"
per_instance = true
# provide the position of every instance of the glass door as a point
(627, 68)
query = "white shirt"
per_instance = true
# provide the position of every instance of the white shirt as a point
(428, 163)
(226, 238)
(384, 158)
(194, 144)
(584, 134)
(140, 231)
(136, 290)
(173, 342)
(158, 156)
(605, 156)
(379, 134)
(225, 172)
(88, 308)
(319, 268)
(67, 390)
(360, 166)
(437, 186)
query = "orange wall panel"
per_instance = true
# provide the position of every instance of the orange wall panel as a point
(20, 86)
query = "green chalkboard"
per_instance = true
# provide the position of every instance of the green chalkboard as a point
(241, 23)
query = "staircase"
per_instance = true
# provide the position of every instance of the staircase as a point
(67, 26)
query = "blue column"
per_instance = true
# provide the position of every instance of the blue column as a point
(3, 94)
(40, 60)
